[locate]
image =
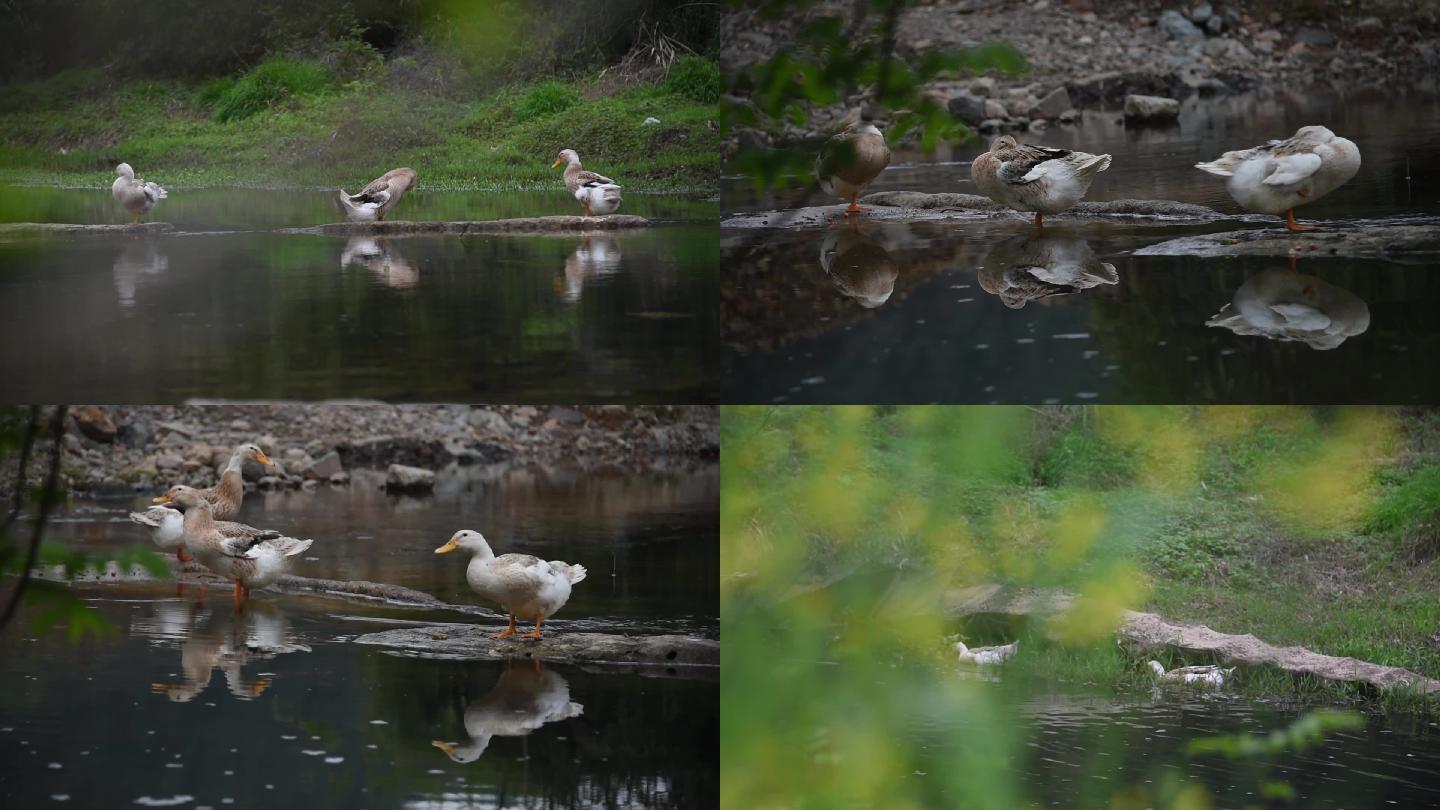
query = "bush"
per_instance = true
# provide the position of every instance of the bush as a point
(1079, 458)
(212, 91)
(1411, 510)
(545, 99)
(695, 78)
(269, 82)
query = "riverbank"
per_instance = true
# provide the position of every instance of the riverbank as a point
(123, 449)
(654, 133)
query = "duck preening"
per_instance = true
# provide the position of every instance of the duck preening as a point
(1026, 177)
(138, 196)
(1208, 675)
(986, 656)
(167, 529)
(850, 161)
(375, 200)
(252, 558)
(596, 193)
(526, 587)
(1277, 177)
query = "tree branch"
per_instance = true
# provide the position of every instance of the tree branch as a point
(48, 497)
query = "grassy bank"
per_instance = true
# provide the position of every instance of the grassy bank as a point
(289, 123)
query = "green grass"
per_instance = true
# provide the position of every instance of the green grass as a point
(285, 125)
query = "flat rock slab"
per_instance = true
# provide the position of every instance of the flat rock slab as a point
(915, 206)
(478, 641)
(64, 227)
(565, 224)
(1394, 242)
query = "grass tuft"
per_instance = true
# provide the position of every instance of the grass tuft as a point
(269, 82)
(695, 78)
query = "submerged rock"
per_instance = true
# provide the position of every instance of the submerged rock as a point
(1151, 108)
(66, 227)
(917, 206)
(400, 478)
(1401, 243)
(477, 641)
(557, 224)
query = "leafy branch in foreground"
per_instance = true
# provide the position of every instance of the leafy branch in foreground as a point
(828, 65)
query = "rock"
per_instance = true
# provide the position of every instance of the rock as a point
(1201, 13)
(135, 436)
(487, 422)
(96, 424)
(968, 108)
(1227, 49)
(1369, 32)
(1315, 37)
(994, 109)
(1400, 243)
(565, 416)
(991, 125)
(1215, 25)
(340, 478)
(327, 466)
(310, 485)
(240, 425)
(983, 87)
(650, 121)
(1174, 25)
(1069, 116)
(551, 224)
(1151, 108)
(1055, 102)
(268, 482)
(477, 641)
(400, 478)
(168, 461)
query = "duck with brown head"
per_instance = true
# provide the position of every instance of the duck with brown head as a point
(1026, 177)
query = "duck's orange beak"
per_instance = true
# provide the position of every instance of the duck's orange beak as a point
(162, 499)
(262, 458)
(444, 746)
(449, 546)
(556, 163)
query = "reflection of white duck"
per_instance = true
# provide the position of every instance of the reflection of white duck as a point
(986, 656)
(138, 260)
(1028, 268)
(521, 702)
(1289, 306)
(381, 259)
(595, 257)
(1209, 675)
(230, 643)
(859, 267)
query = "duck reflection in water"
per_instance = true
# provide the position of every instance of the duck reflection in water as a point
(859, 266)
(523, 700)
(594, 258)
(382, 259)
(139, 261)
(1027, 268)
(229, 641)
(1289, 306)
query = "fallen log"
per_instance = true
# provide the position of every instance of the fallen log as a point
(1401, 243)
(540, 225)
(477, 641)
(915, 206)
(65, 227)
(1142, 631)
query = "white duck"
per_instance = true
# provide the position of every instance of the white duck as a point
(596, 193)
(525, 586)
(1026, 177)
(521, 702)
(252, 561)
(376, 199)
(1209, 675)
(1280, 175)
(1288, 306)
(986, 656)
(138, 196)
(167, 529)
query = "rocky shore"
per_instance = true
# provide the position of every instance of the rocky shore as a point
(1139, 57)
(116, 450)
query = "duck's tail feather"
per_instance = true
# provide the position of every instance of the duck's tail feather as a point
(575, 572)
(1225, 165)
(1094, 165)
(144, 519)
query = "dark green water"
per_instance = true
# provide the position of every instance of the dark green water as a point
(275, 706)
(216, 309)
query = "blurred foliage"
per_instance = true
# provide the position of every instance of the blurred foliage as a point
(1309, 730)
(835, 60)
(269, 82)
(1410, 510)
(846, 531)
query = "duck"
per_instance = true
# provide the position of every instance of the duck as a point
(986, 656)
(227, 495)
(1032, 267)
(374, 201)
(525, 586)
(167, 529)
(1208, 675)
(253, 562)
(594, 258)
(138, 196)
(521, 702)
(1280, 175)
(1288, 306)
(859, 267)
(597, 194)
(851, 160)
(1027, 177)
(382, 259)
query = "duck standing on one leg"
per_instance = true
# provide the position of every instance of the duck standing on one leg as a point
(850, 161)
(525, 586)
(597, 194)
(1276, 177)
(138, 196)
(1026, 177)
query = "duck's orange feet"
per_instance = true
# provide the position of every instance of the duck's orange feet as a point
(182, 555)
(508, 632)
(1291, 224)
(1039, 220)
(855, 207)
(535, 634)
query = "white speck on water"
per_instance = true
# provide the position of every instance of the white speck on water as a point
(288, 737)
(151, 731)
(378, 723)
(229, 773)
(1087, 395)
(435, 771)
(1089, 354)
(269, 787)
(373, 747)
(60, 797)
(55, 766)
(173, 801)
(334, 760)
(812, 381)
(173, 765)
(1071, 336)
(989, 389)
(227, 800)
(312, 753)
(982, 345)
(1024, 340)
(314, 737)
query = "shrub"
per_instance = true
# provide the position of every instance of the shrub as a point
(212, 91)
(695, 78)
(545, 99)
(1079, 458)
(1411, 511)
(269, 82)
